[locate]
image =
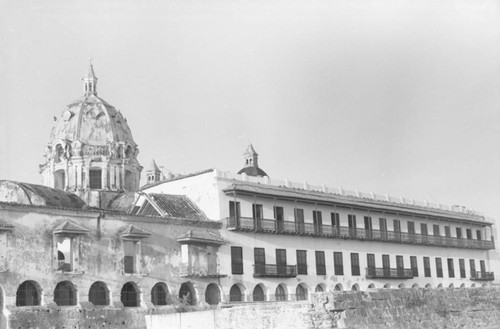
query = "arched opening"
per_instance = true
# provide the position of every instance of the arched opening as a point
(99, 294)
(387, 286)
(440, 286)
(415, 286)
(65, 294)
(129, 180)
(355, 287)
(187, 294)
(301, 292)
(452, 286)
(338, 287)
(129, 152)
(130, 296)
(371, 286)
(402, 286)
(28, 294)
(159, 294)
(473, 285)
(319, 288)
(280, 293)
(60, 179)
(59, 153)
(258, 294)
(212, 294)
(428, 286)
(462, 285)
(235, 294)
(95, 178)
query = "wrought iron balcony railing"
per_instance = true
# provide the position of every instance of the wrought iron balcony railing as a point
(271, 270)
(288, 227)
(388, 273)
(482, 276)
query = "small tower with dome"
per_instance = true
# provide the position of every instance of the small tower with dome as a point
(91, 151)
(251, 167)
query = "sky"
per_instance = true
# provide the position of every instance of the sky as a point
(399, 97)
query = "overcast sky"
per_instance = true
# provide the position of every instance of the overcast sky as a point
(398, 97)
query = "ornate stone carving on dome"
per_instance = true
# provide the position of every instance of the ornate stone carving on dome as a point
(95, 150)
(77, 148)
(61, 151)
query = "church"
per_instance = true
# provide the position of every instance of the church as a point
(92, 248)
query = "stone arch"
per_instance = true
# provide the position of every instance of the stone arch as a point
(29, 293)
(280, 293)
(99, 294)
(355, 287)
(440, 286)
(259, 293)
(462, 285)
(237, 293)
(320, 288)
(415, 286)
(187, 293)
(60, 179)
(428, 286)
(301, 292)
(371, 286)
(452, 286)
(338, 287)
(212, 294)
(387, 286)
(129, 152)
(401, 286)
(473, 285)
(65, 294)
(130, 295)
(160, 294)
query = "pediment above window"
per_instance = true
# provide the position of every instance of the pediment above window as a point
(70, 228)
(201, 236)
(133, 232)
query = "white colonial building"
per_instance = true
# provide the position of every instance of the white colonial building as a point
(286, 240)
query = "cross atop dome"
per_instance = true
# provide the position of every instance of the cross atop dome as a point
(90, 81)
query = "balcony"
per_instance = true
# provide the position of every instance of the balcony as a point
(287, 227)
(482, 276)
(274, 271)
(389, 273)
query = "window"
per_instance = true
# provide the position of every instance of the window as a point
(129, 295)
(60, 179)
(451, 268)
(423, 230)
(320, 263)
(159, 294)
(400, 267)
(65, 294)
(435, 229)
(352, 225)
(279, 217)
(259, 256)
(65, 254)
(257, 214)
(459, 232)
(370, 259)
(386, 265)
(355, 264)
(318, 221)
(129, 259)
(411, 228)
(301, 262)
(478, 234)
(447, 232)
(468, 232)
(281, 261)
(234, 209)
(280, 293)
(66, 239)
(427, 267)
(28, 294)
(338, 263)
(368, 227)
(258, 294)
(383, 227)
(439, 268)
(461, 265)
(482, 266)
(472, 264)
(95, 179)
(300, 293)
(414, 266)
(236, 260)
(98, 294)
(299, 220)
(212, 294)
(187, 294)
(397, 228)
(335, 221)
(235, 294)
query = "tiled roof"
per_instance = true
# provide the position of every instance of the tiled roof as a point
(70, 228)
(201, 172)
(123, 202)
(4, 225)
(203, 236)
(350, 201)
(178, 206)
(132, 231)
(38, 195)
